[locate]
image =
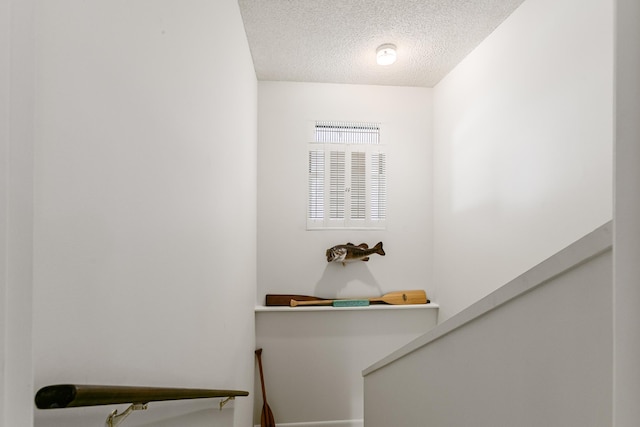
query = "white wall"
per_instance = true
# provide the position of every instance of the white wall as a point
(313, 359)
(291, 259)
(523, 147)
(145, 211)
(4, 188)
(16, 211)
(627, 217)
(536, 352)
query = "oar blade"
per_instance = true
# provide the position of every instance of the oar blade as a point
(266, 417)
(404, 297)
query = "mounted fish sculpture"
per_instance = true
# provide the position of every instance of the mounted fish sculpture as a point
(350, 252)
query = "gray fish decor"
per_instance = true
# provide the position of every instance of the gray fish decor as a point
(350, 252)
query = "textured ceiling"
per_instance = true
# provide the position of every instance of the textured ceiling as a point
(334, 41)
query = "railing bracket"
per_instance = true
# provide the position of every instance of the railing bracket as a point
(114, 419)
(225, 401)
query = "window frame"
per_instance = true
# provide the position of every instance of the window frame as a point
(369, 218)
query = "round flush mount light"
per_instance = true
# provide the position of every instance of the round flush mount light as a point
(386, 54)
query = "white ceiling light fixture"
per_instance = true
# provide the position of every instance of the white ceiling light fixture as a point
(386, 54)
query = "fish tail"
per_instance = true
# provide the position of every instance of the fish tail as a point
(378, 249)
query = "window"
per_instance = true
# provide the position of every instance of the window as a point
(347, 177)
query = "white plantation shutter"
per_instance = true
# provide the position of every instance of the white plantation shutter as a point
(337, 184)
(378, 186)
(347, 177)
(347, 132)
(316, 184)
(358, 191)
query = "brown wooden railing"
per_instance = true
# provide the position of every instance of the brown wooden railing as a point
(74, 395)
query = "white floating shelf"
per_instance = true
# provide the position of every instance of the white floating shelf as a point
(373, 307)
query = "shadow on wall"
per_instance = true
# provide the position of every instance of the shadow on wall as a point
(351, 280)
(198, 413)
(198, 418)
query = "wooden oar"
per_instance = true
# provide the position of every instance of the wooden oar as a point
(394, 298)
(266, 417)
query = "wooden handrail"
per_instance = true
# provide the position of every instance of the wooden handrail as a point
(74, 395)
